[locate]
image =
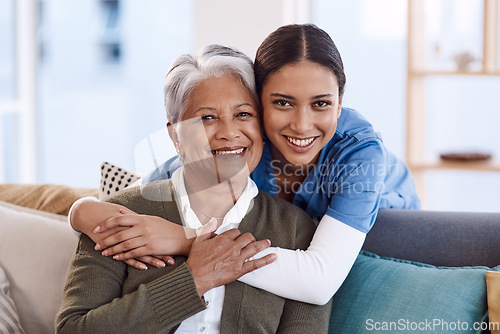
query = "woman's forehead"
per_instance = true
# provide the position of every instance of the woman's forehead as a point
(212, 92)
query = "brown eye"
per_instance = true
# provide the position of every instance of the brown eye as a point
(322, 104)
(207, 118)
(244, 114)
(281, 103)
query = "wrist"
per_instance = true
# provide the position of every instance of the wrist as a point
(186, 247)
(199, 281)
(188, 242)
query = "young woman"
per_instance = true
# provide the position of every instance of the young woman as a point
(321, 157)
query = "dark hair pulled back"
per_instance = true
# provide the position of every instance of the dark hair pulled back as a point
(293, 43)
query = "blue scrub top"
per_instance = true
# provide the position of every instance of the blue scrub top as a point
(354, 177)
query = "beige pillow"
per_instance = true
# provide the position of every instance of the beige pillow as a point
(493, 293)
(53, 198)
(35, 251)
(9, 320)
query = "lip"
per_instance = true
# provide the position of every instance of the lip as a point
(301, 149)
(229, 152)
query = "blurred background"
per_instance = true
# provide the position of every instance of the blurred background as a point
(82, 82)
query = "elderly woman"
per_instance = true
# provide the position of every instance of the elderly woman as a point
(214, 116)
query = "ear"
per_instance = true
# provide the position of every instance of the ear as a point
(339, 108)
(172, 132)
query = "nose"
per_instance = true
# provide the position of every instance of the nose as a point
(302, 121)
(227, 129)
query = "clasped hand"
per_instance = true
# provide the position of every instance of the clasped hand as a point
(214, 259)
(150, 239)
(217, 260)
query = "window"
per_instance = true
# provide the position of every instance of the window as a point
(101, 90)
(111, 49)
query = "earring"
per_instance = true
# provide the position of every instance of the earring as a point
(180, 152)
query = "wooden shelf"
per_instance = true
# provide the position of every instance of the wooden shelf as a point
(418, 70)
(486, 166)
(453, 73)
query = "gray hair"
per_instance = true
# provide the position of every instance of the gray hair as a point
(213, 61)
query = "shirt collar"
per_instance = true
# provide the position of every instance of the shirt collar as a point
(231, 220)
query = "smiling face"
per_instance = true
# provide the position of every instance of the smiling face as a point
(301, 105)
(219, 133)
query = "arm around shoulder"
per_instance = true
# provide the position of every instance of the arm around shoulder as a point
(314, 275)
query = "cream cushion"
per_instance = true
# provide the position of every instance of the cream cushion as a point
(493, 291)
(9, 320)
(35, 251)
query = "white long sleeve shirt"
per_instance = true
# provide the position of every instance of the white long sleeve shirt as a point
(208, 320)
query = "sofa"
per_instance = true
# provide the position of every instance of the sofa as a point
(444, 254)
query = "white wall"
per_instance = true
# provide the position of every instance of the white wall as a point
(216, 22)
(244, 24)
(371, 38)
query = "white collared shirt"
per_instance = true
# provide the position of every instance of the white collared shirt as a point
(208, 321)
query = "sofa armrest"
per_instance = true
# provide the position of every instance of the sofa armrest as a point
(439, 238)
(52, 198)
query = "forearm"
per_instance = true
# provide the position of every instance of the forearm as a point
(87, 212)
(169, 239)
(314, 275)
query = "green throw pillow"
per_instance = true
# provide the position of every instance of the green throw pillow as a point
(386, 295)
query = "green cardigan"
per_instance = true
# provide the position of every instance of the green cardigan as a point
(102, 295)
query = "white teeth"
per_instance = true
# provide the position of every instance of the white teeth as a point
(300, 142)
(238, 151)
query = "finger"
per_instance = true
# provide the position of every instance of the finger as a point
(127, 211)
(204, 236)
(117, 221)
(244, 240)
(124, 247)
(254, 247)
(120, 237)
(136, 264)
(152, 261)
(169, 260)
(232, 233)
(258, 263)
(141, 251)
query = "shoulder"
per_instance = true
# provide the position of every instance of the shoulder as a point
(275, 205)
(354, 139)
(285, 224)
(339, 158)
(353, 124)
(147, 198)
(164, 171)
